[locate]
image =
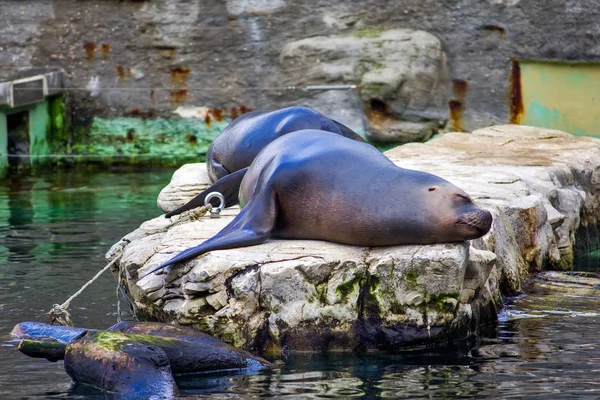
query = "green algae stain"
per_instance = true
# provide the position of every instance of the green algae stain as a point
(116, 340)
(57, 128)
(182, 139)
(411, 278)
(397, 308)
(347, 288)
(371, 309)
(443, 302)
(367, 33)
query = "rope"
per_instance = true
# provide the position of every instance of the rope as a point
(119, 278)
(59, 312)
(190, 215)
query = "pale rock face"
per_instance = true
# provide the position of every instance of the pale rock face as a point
(540, 185)
(402, 75)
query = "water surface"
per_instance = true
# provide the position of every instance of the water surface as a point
(56, 228)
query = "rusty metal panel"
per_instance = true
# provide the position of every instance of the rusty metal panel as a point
(564, 96)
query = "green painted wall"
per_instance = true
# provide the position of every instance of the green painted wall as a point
(38, 128)
(564, 96)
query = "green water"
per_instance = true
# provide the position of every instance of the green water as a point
(55, 229)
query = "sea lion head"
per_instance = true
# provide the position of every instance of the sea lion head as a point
(455, 217)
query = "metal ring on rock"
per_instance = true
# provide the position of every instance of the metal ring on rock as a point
(215, 211)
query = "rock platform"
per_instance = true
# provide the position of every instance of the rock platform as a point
(541, 186)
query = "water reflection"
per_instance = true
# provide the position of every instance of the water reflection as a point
(20, 217)
(55, 229)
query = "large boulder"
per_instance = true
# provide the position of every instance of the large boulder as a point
(541, 185)
(402, 75)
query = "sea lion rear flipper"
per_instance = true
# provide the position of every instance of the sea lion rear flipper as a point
(228, 186)
(253, 225)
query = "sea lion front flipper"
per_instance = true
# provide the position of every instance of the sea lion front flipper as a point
(228, 186)
(253, 225)
(216, 170)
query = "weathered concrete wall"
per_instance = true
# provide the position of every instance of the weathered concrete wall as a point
(132, 57)
(3, 144)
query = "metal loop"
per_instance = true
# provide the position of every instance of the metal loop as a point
(215, 211)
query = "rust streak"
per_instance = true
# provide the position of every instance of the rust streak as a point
(217, 114)
(105, 50)
(456, 110)
(120, 72)
(178, 96)
(459, 88)
(179, 75)
(90, 49)
(244, 109)
(515, 100)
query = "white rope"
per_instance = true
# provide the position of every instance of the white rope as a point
(59, 312)
(190, 215)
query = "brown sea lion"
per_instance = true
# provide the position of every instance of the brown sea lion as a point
(317, 185)
(236, 147)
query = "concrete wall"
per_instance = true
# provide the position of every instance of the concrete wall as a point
(148, 57)
(3, 143)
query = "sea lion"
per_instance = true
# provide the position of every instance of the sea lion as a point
(235, 148)
(317, 185)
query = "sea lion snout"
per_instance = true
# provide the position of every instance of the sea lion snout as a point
(475, 223)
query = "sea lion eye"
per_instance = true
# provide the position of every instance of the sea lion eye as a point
(431, 189)
(462, 197)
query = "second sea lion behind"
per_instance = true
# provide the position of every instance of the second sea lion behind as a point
(240, 142)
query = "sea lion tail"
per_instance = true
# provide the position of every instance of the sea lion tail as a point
(253, 225)
(228, 186)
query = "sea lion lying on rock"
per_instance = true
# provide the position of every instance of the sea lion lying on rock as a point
(312, 184)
